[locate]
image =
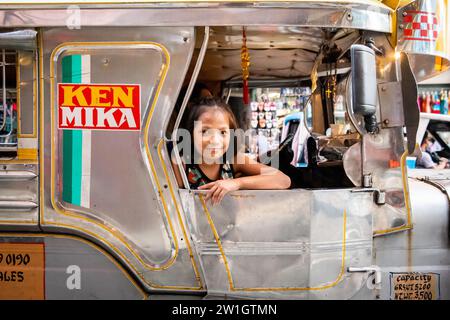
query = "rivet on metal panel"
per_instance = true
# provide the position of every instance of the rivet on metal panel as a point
(401, 26)
(383, 88)
(386, 121)
(349, 16)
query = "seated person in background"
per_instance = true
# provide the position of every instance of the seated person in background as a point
(210, 123)
(426, 160)
(434, 147)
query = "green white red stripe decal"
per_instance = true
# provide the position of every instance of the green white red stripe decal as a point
(76, 143)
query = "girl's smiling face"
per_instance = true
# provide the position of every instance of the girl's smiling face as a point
(212, 135)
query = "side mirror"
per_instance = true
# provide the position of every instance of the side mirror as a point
(410, 110)
(364, 84)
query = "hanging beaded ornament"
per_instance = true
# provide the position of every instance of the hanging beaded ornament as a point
(245, 64)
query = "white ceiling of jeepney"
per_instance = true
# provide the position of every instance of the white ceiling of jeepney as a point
(281, 52)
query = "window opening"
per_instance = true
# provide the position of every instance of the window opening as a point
(8, 104)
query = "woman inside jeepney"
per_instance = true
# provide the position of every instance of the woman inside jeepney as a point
(430, 159)
(211, 161)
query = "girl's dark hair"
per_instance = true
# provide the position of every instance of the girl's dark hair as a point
(201, 106)
(205, 104)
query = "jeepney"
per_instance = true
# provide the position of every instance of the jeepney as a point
(89, 205)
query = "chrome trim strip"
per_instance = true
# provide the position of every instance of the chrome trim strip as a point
(8, 175)
(198, 66)
(17, 205)
(365, 16)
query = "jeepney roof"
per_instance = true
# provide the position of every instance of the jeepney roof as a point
(357, 14)
(184, 2)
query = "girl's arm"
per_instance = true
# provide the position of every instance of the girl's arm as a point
(257, 176)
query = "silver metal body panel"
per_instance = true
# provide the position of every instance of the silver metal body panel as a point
(425, 49)
(23, 39)
(384, 157)
(433, 175)
(416, 42)
(283, 244)
(391, 105)
(295, 244)
(359, 15)
(132, 210)
(19, 192)
(425, 248)
(97, 275)
(379, 152)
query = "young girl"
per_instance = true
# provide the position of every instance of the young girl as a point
(210, 123)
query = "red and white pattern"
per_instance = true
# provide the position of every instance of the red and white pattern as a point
(420, 25)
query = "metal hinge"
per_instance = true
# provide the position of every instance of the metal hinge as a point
(375, 270)
(379, 195)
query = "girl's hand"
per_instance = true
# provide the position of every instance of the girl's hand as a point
(218, 189)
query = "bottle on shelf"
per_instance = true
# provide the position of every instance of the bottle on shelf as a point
(423, 106)
(432, 97)
(419, 102)
(428, 102)
(436, 105)
(444, 102)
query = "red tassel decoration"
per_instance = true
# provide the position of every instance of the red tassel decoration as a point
(245, 64)
(245, 94)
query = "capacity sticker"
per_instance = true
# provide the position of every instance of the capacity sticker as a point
(22, 269)
(415, 286)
